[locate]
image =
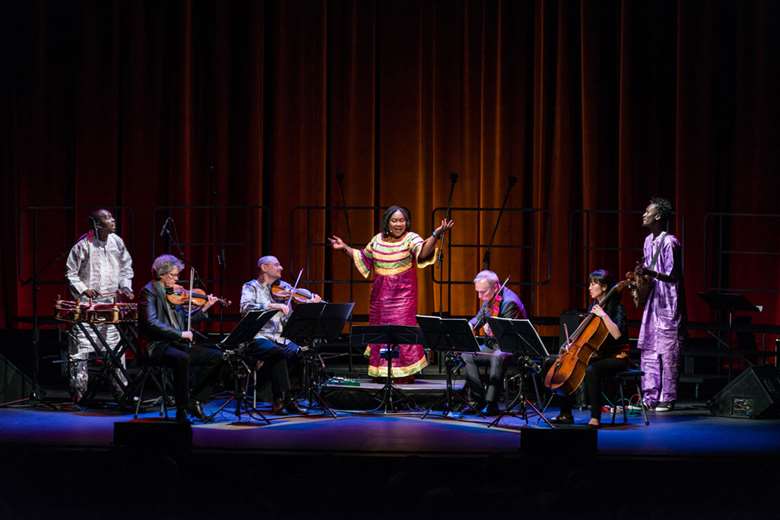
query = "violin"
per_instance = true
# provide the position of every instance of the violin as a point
(299, 295)
(284, 292)
(182, 296)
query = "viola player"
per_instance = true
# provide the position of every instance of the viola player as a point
(496, 302)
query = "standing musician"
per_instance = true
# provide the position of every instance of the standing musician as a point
(392, 256)
(269, 291)
(164, 323)
(501, 302)
(610, 358)
(98, 269)
(663, 319)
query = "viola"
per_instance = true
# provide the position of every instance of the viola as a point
(567, 373)
(182, 296)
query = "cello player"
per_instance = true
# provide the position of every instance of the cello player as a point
(611, 358)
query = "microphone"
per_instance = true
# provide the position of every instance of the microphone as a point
(164, 229)
(453, 177)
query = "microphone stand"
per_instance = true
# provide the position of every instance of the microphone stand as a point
(339, 182)
(172, 233)
(486, 257)
(453, 181)
(440, 260)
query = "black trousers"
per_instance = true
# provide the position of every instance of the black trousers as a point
(275, 363)
(495, 374)
(204, 362)
(594, 376)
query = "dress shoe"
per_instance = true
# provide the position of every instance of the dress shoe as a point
(562, 419)
(292, 407)
(278, 407)
(490, 410)
(196, 410)
(471, 409)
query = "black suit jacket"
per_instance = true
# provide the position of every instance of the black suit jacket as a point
(161, 323)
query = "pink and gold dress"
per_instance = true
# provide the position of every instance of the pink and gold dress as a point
(393, 296)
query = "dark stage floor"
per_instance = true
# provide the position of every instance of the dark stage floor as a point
(685, 463)
(689, 431)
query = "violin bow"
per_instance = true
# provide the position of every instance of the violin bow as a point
(490, 301)
(189, 306)
(292, 291)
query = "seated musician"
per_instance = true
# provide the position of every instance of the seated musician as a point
(164, 324)
(269, 291)
(503, 304)
(611, 358)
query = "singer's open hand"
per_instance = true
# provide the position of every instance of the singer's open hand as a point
(446, 225)
(336, 242)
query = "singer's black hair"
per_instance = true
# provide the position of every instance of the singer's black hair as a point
(664, 208)
(389, 213)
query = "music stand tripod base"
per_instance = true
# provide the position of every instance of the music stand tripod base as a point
(392, 396)
(242, 334)
(312, 324)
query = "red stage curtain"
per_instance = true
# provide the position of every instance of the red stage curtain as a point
(596, 104)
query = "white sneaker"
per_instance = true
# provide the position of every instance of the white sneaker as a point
(664, 407)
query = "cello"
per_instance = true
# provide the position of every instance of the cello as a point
(567, 373)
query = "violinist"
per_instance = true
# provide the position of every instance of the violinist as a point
(612, 356)
(496, 302)
(164, 323)
(269, 291)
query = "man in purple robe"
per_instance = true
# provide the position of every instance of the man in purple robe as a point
(663, 320)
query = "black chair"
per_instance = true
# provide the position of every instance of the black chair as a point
(158, 373)
(631, 376)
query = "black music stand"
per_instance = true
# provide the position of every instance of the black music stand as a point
(450, 336)
(391, 336)
(726, 303)
(519, 337)
(244, 332)
(312, 324)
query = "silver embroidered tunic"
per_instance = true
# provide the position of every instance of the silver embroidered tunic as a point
(105, 266)
(256, 296)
